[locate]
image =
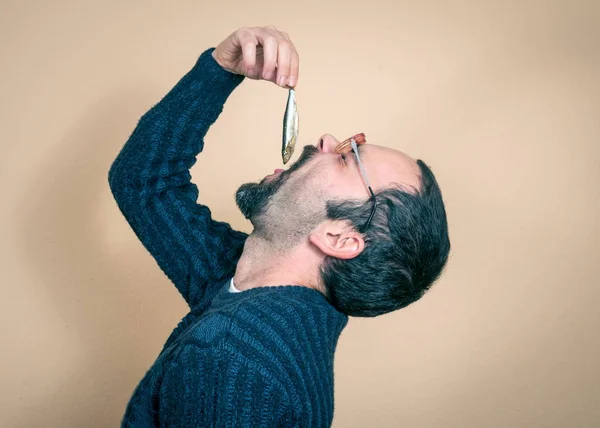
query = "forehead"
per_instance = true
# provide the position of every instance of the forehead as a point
(386, 166)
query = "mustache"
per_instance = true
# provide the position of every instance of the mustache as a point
(308, 152)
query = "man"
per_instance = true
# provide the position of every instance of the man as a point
(257, 348)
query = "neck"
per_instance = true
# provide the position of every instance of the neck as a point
(264, 265)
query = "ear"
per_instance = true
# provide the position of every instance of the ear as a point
(338, 239)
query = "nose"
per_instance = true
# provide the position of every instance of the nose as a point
(327, 144)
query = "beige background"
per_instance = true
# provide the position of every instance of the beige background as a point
(500, 98)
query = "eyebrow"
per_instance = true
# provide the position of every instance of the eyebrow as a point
(361, 152)
(361, 149)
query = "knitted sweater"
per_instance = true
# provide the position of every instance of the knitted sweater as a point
(262, 357)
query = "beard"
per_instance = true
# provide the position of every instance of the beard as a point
(253, 198)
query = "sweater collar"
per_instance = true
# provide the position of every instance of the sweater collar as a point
(312, 297)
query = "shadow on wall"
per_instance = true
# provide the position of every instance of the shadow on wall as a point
(106, 304)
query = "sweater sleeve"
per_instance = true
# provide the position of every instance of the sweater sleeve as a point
(151, 182)
(202, 389)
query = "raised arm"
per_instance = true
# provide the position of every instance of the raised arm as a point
(150, 180)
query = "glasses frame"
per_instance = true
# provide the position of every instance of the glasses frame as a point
(353, 144)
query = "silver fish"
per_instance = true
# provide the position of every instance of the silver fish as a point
(290, 127)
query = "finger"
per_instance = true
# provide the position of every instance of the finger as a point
(269, 45)
(294, 63)
(284, 56)
(248, 43)
(294, 68)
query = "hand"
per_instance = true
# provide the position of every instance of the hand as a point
(260, 53)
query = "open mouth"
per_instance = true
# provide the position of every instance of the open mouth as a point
(274, 175)
(307, 153)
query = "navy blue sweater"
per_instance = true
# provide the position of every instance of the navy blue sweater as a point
(262, 357)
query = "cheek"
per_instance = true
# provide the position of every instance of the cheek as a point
(312, 176)
(321, 182)
(340, 187)
(307, 189)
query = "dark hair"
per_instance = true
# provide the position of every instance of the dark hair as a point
(406, 249)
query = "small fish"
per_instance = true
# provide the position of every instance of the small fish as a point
(290, 127)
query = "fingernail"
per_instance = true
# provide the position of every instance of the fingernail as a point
(282, 80)
(250, 72)
(268, 75)
(291, 81)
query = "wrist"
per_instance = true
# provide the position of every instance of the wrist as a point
(209, 71)
(220, 62)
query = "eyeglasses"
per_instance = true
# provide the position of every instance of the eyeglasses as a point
(353, 143)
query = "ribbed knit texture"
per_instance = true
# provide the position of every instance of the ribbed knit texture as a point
(262, 357)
